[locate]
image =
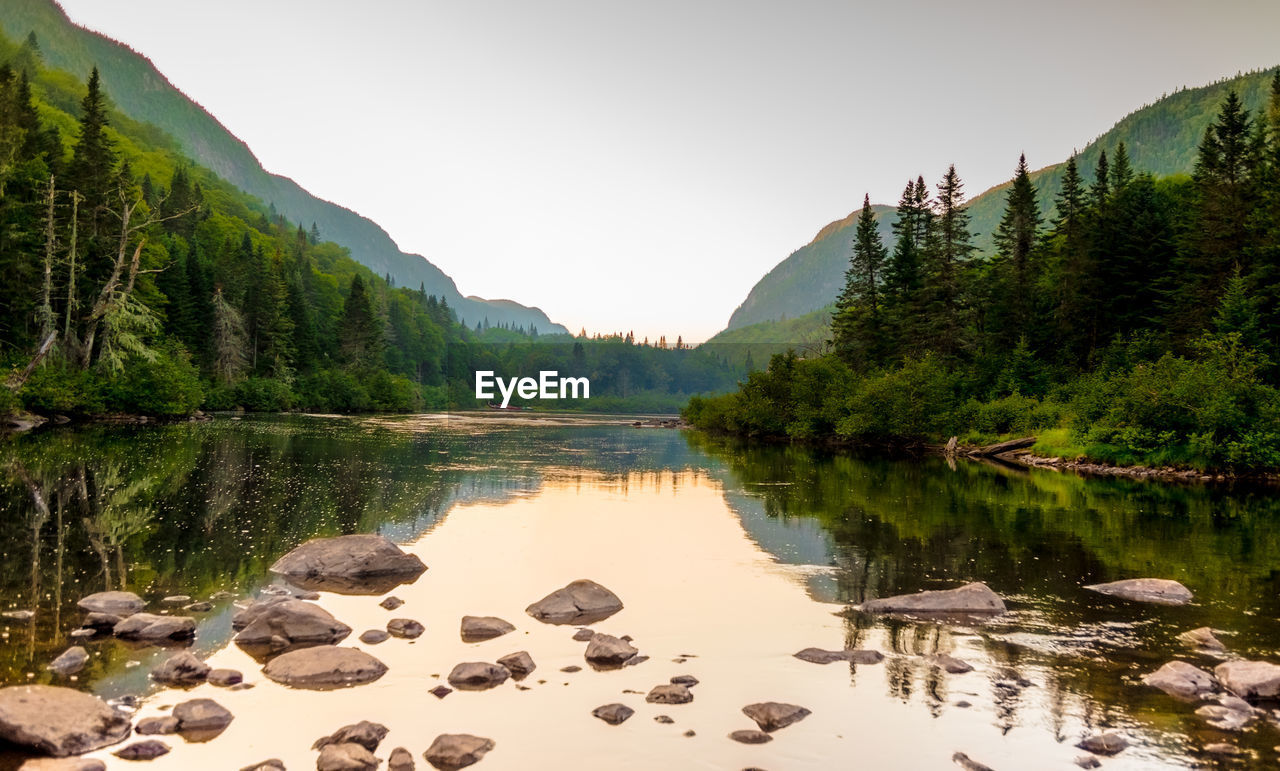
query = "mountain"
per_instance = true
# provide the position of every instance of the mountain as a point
(1162, 138)
(140, 91)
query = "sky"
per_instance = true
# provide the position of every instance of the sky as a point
(638, 166)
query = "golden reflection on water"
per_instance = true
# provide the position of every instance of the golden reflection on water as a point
(694, 583)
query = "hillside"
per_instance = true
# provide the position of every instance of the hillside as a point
(1161, 138)
(140, 91)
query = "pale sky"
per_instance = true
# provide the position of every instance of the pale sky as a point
(640, 165)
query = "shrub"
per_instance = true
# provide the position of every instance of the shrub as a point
(264, 394)
(166, 385)
(57, 388)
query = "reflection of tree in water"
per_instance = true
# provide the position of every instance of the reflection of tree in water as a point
(114, 514)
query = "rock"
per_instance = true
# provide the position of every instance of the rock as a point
(63, 764)
(688, 681)
(971, 598)
(478, 676)
(198, 607)
(405, 628)
(480, 628)
(366, 734)
(772, 715)
(349, 564)
(440, 691)
(949, 663)
(18, 615)
(669, 694)
(968, 763)
(453, 751)
(820, 656)
(400, 760)
(608, 651)
(182, 669)
(83, 634)
(751, 736)
(148, 627)
(391, 603)
(1160, 591)
(113, 603)
(1223, 748)
(690, 733)
(571, 668)
(519, 664)
(583, 635)
(1181, 680)
(1250, 679)
(374, 636)
(1088, 761)
(581, 602)
(103, 622)
(664, 719)
(1225, 718)
(157, 726)
(324, 667)
(1204, 639)
(225, 678)
(633, 661)
(613, 714)
(71, 661)
(176, 599)
(346, 757)
(1104, 744)
(149, 749)
(275, 764)
(58, 721)
(202, 715)
(283, 623)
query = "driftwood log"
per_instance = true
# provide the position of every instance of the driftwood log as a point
(992, 450)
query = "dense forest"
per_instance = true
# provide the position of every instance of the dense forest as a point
(1138, 323)
(138, 282)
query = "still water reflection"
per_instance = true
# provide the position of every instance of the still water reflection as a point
(728, 557)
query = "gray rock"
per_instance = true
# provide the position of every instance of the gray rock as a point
(1181, 680)
(454, 751)
(1088, 761)
(583, 635)
(391, 603)
(366, 734)
(688, 681)
(346, 757)
(225, 678)
(613, 714)
(480, 628)
(202, 715)
(1250, 679)
(571, 668)
(149, 749)
(773, 715)
(1223, 748)
(606, 651)
(58, 721)
(751, 736)
(103, 622)
(113, 603)
(283, 623)
(664, 719)
(1225, 718)
(181, 669)
(440, 691)
(949, 663)
(1108, 743)
(148, 627)
(580, 602)
(157, 726)
(63, 764)
(349, 564)
(71, 661)
(198, 607)
(478, 676)
(971, 598)
(968, 763)
(405, 628)
(400, 760)
(856, 656)
(324, 667)
(519, 664)
(669, 694)
(176, 599)
(275, 764)
(1160, 591)
(1204, 639)
(374, 636)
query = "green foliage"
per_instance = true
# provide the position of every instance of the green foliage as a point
(166, 384)
(61, 389)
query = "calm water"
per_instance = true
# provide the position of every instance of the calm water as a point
(728, 559)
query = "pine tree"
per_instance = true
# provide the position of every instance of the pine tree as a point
(230, 354)
(945, 316)
(857, 323)
(1121, 171)
(1075, 305)
(93, 162)
(1013, 311)
(359, 330)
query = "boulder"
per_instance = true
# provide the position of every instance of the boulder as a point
(583, 635)
(454, 751)
(480, 628)
(669, 694)
(400, 760)
(324, 667)
(157, 726)
(58, 721)
(951, 664)
(478, 676)
(391, 603)
(773, 715)
(102, 622)
(63, 764)
(1160, 591)
(856, 656)
(366, 734)
(277, 624)
(688, 681)
(181, 669)
(751, 736)
(605, 651)
(405, 628)
(225, 678)
(71, 661)
(202, 716)
(149, 749)
(1104, 744)
(346, 757)
(1250, 679)
(349, 564)
(113, 603)
(148, 627)
(374, 636)
(971, 598)
(613, 714)
(519, 664)
(1181, 680)
(1226, 718)
(1203, 639)
(581, 602)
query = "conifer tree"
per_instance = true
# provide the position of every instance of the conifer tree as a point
(1015, 274)
(858, 320)
(93, 162)
(945, 263)
(1075, 303)
(359, 330)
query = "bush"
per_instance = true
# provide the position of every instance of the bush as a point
(333, 391)
(393, 393)
(56, 388)
(916, 401)
(167, 385)
(263, 394)
(1013, 414)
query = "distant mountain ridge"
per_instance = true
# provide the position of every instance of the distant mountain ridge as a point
(140, 91)
(1161, 138)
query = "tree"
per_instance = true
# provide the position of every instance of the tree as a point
(360, 329)
(857, 323)
(92, 172)
(230, 349)
(1013, 311)
(1075, 301)
(945, 317)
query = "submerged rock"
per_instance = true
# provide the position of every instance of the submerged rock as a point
(751, 736)
(18, 615)
(1160, 591)
(102, 622)
(520, 664)
(225, 678)
(150, 749)
(580, 602)
(454, 751)
(58, 721)
(1203, 639)
(400, 760)
(346, 757)
(1250, 679)
(968, 763)
(669, 694)
(324, 667)
(478, 676)
(113, 603)
(366, 734)
(405, 628)
(951, 664)
(278, 624)
(349, 564)
(613, 714)
(71, 661)
(181, 669)
(773, 715)
(1108, 743)
(971, 598)
(1226, 718)
(821, 656)
(605, 651)
(480, 628)
(148, 627)
(1181, 680)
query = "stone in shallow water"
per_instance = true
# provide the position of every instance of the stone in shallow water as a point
(102, 622)
(613, 714)
(225, 678)
(1204, 639)
(63, 764)
(481, 628)
(349, 564)
(198, 607)
(478, 676)
(583, 635)
(1181, 680)
(440, 691)
(751, 736)
(275, 764)
(366, 734)
(1225, 718)
(58, 721)
(374, 636)
(1160, 591)
(277, 624)
(400, 760)
(149, 749)
(971, 598)
(346, 757)
(405, 628)
(1088, 761)
(772, 715)
(18, 615)
(605, 650)
(580, 602)
(71, 661)
(391, 603)
(664, 719)
(176, 599)
(201, 719)
(1108, 743)
(688, 681)
(821, 656)
(951, 664)
(324, 668)
(1250, 679)
(157, 726)
(181, 669)
(520, 664)
(968, 763)
(149, 627)
(1223, 748)
(669, 694)
(453, 751)
(113, 603)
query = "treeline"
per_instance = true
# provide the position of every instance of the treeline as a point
(1138, 324)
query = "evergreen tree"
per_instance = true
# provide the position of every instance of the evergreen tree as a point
(945, 315)
(857, 323)
(93, 162)
(1075, 304)
(360, 329)
(1013, 309)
